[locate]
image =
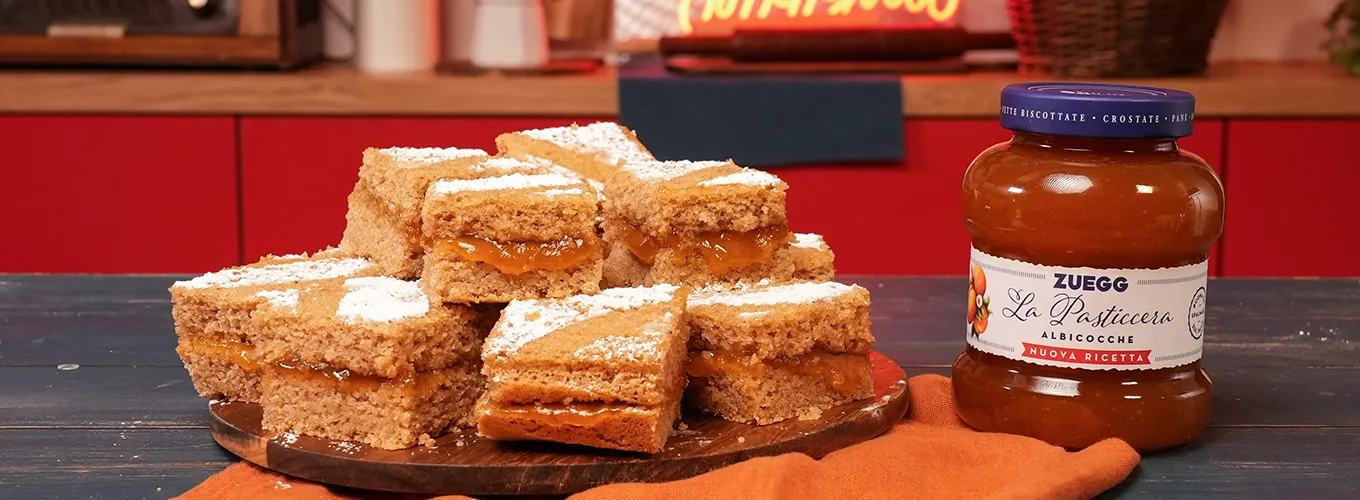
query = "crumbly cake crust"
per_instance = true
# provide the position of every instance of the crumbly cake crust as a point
(400, 176)
(518, 209)
(217, 306)
(621, 427)
(212, 315)
(778, 395)
(664, 198)
(622, 269)
(595, 150)
(674, 265)
(385, 225)
(568, 333)
(305, 312)
(514, 208)
(455, 280)
(622, 347)
(812, 258)
(771, 327)
(645, 369)
(786, 264)
(391, 415)
(770, 321)
(218, 373)
(373, 231)
(373, 326)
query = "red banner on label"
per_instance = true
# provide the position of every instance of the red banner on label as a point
(1087, 356)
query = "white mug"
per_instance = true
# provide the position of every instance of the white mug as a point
(509, 34)
(396, 36)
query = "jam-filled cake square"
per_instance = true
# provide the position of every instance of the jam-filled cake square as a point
(372, 229)
(595, 150)
(212, 316)
(368, 359)
(697, 222)
(603, 370)
(383, 222)
(519, 236)
(765, 353)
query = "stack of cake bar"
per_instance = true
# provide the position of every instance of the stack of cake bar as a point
(570, 288)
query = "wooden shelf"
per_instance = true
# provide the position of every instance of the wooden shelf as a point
(1275, 90)
(1238, 90)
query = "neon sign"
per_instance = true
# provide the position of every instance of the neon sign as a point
(723, 15)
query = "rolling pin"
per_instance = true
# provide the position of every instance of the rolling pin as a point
(836, 44)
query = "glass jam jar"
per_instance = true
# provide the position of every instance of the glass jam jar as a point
(1086, 298)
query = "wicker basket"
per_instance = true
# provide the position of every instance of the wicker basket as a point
(1114, 38)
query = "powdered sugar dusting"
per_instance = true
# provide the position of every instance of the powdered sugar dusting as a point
(746, 177)
(282, 299)
(561, 192)
(557, 169)
(634, 348)
(512, 181)
(381, 299)
(659, 171)
(418, 156)
(524, 321)
(508, 165)
(303, 270)
(809, 240)
(605, 139)
(796, 293)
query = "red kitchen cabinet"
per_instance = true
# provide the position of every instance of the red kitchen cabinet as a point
(1291, 198)
(297, 172)
(904, 218)
(1209, 142)
(118, 194)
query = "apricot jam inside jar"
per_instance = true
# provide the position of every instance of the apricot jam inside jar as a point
(1091, 235)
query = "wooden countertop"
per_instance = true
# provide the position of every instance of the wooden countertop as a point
(1277, 90)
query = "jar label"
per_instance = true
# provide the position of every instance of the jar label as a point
(1100, 319)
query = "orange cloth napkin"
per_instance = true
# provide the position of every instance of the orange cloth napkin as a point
(931, 454)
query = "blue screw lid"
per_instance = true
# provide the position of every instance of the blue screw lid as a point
(1097, 110)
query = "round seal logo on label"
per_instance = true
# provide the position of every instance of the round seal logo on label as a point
(1196, 314)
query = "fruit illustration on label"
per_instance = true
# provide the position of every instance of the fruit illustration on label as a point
(979, 304)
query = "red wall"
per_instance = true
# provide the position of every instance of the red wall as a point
(87, 194)
(160, 194)
(1292, 198)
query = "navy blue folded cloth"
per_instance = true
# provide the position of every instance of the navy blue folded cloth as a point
(763, 120)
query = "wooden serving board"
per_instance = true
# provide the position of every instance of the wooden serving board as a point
(485, 467)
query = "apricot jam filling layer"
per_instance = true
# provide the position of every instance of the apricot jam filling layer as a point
(845, 373)
(516, 258)
(723, 250)
(349, 382)
(560, 415)
(240, 353)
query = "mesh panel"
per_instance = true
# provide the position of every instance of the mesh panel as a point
(647, 19)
